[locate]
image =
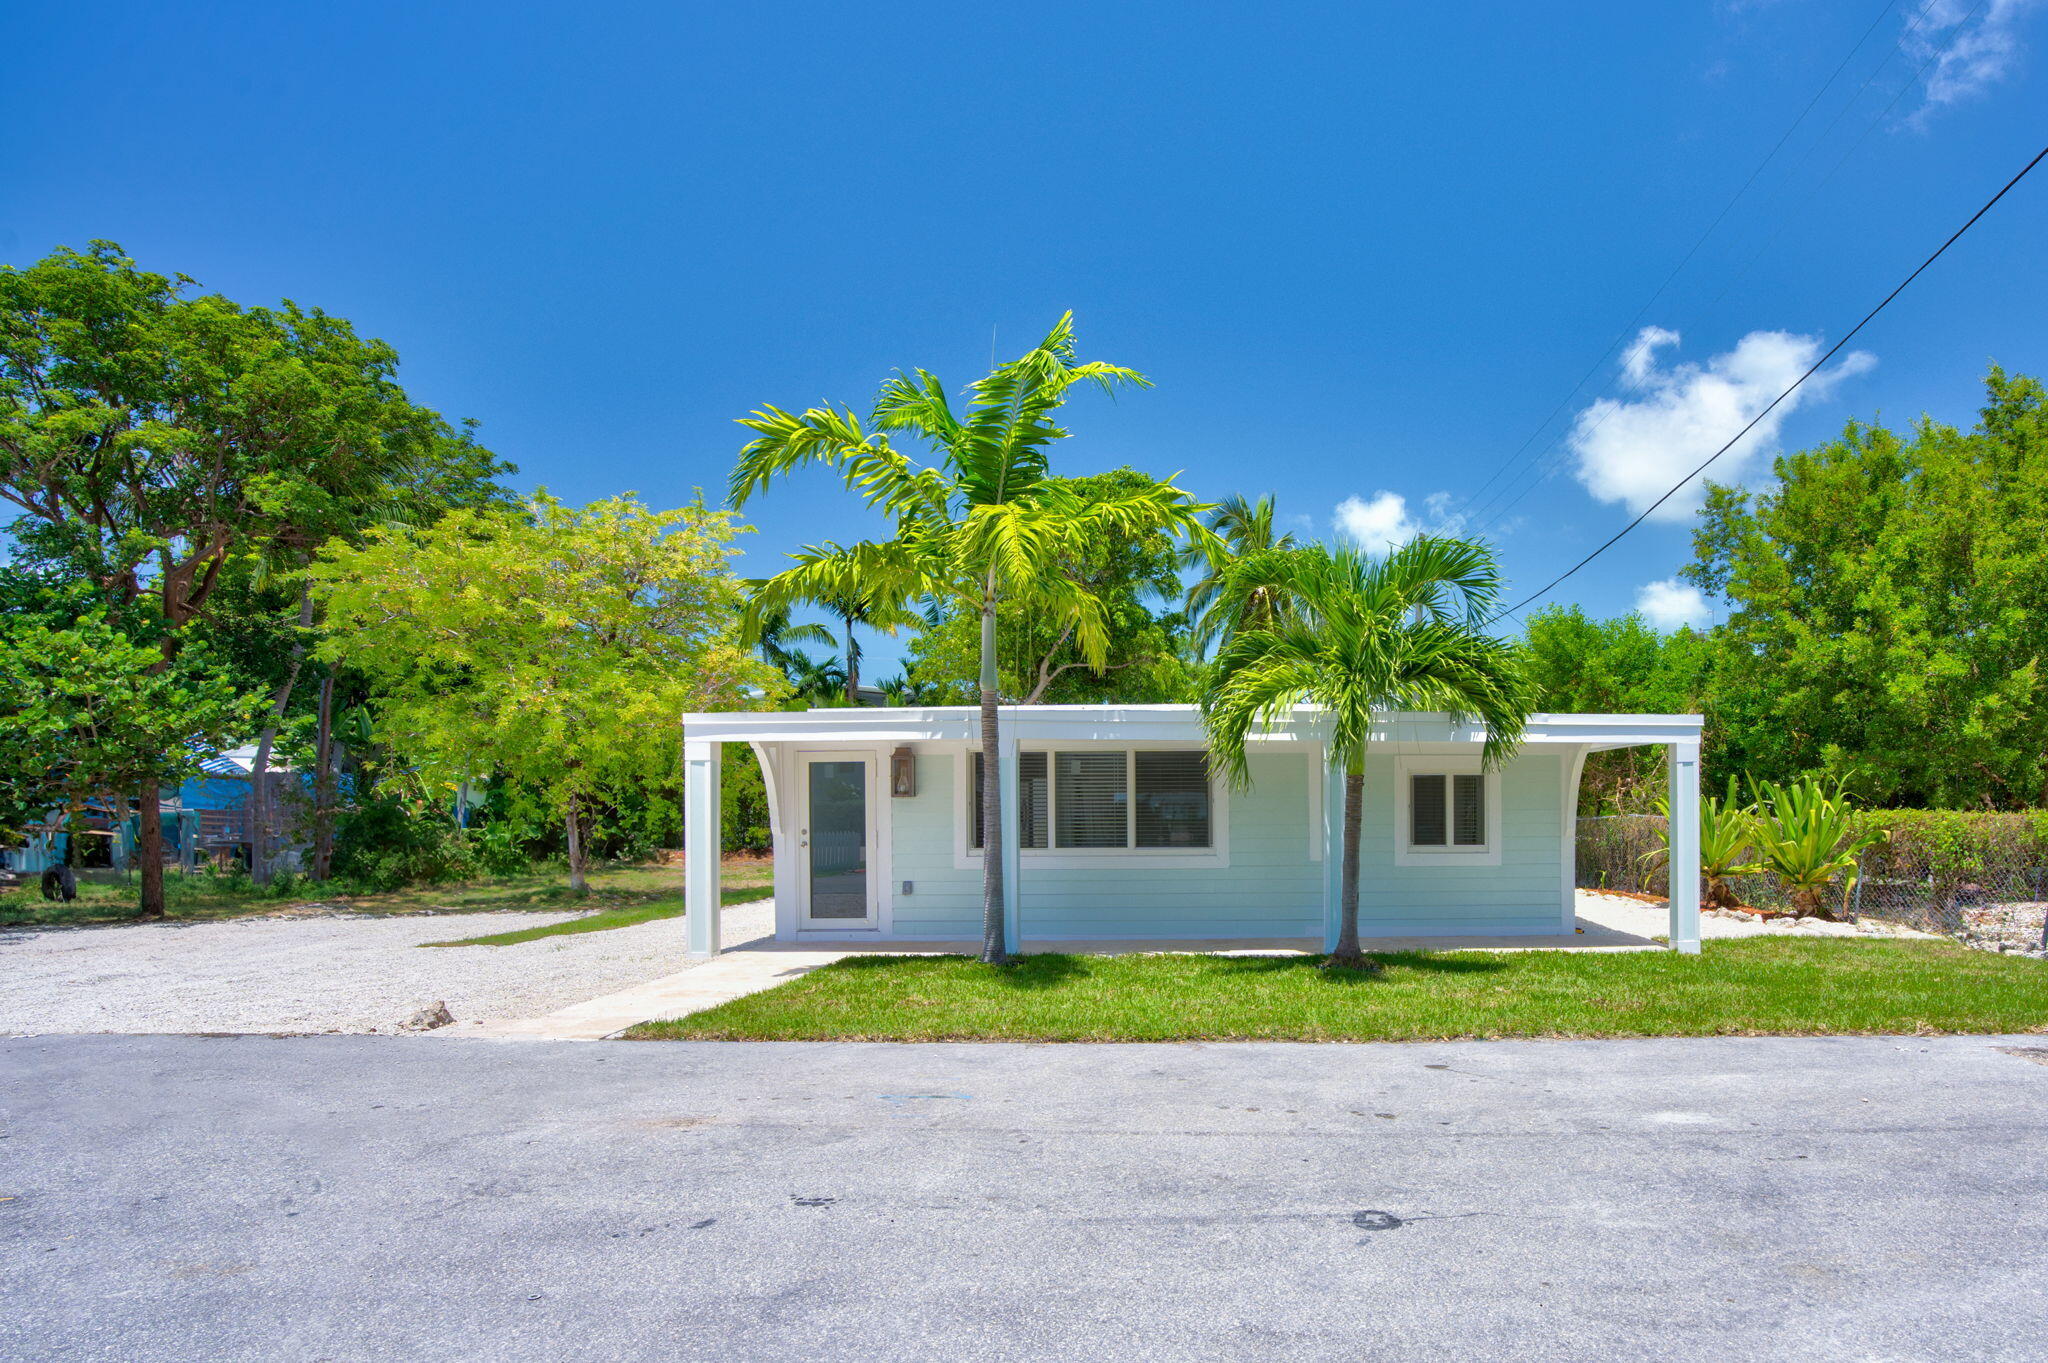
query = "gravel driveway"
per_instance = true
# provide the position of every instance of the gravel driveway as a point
(324, 972)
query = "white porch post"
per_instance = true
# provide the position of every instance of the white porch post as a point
(701, 846)
(1006, 793)
(1682, 769)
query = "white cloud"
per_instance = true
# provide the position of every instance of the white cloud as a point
(1382, 522)
(1671, 603)
(1975, 54)
(1632, 448)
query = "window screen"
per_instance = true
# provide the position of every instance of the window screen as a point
(1426, 811)
(1172, 799)
(1031, 801)
(1091, 807)
(1468, 811)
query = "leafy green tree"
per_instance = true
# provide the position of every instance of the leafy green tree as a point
(1889, 608)
(89, 710)
(1038, 658)
(1616, 667)
(559, 646)
(985, 525)
(1361, 635)
(150, 435)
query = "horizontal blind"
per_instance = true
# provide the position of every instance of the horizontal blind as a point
(1031, 801)
(1468, 811)
(1172, 796)
(1090, 804)
(1426, 811)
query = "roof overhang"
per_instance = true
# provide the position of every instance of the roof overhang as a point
(1153, 723)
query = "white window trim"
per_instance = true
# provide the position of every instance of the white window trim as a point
(1405, 853)
(1214, 856)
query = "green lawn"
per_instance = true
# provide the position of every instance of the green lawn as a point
(669, 907)
(1757, 986)
(203, 896)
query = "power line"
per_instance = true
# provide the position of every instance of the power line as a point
(1547, 463)
(1811, 370)
(1685, 260)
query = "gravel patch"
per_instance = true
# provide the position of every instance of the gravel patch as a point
(331, 972)
(1623, 914)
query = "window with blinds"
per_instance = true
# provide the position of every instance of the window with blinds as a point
(1468, 811)
(1426, 810)
(1107, 799)
(1033, 800)
(1172, 798)
(1446, 810)
(1091, 799)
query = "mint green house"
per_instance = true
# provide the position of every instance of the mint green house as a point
(1118, 832)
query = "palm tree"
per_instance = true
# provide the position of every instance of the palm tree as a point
(986, 523)
(1357, 636)
(814, 679)
(774, 637)
(1238, 528)
(882, 615)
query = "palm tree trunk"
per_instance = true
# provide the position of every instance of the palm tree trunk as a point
(994, 937)
(852, 665)
(573, 825)
(1347, 952)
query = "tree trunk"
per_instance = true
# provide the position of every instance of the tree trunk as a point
(323, 780)
(573, 824)
(260, 803)
(852, 665)
(1347, 952)
(149, 847)
(995, 948)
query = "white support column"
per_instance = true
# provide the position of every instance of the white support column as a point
(1682, 770)
(1006, 792)
(701, 890)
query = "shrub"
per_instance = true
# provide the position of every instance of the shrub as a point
(388, 842)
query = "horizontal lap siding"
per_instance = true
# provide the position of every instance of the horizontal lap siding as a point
(1270, 889)
(944, 901)
(1521, 895)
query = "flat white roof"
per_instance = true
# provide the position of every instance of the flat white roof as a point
(1108, 723)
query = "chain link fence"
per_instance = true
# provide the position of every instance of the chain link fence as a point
(1995, 898)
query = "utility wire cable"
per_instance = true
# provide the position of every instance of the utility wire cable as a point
(1546, 464)
(1814, 368)
(1685, 260)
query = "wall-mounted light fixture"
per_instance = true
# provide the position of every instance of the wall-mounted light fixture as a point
(902, 772)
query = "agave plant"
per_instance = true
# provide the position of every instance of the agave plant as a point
(1806, 836)
(1727, 838)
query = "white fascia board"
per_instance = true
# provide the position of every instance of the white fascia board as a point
(1165, 723)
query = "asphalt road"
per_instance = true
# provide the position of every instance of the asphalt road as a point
(343, 1198)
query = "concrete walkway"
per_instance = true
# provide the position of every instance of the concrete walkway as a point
(740, 971)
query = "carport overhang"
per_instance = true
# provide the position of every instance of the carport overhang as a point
(1574, 735)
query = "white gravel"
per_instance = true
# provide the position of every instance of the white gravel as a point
(1624, 914)
(324, 972)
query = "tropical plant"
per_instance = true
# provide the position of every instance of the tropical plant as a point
(1807, 836)
(986, 523)
(817, 680)
(1357, 635)
(1727, 836)
(903, 691)
(1135, 577)
(775, 638)
(1237, 528)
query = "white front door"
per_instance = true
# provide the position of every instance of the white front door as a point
(835, 840)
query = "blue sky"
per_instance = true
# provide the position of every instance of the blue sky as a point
(1363, 251)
